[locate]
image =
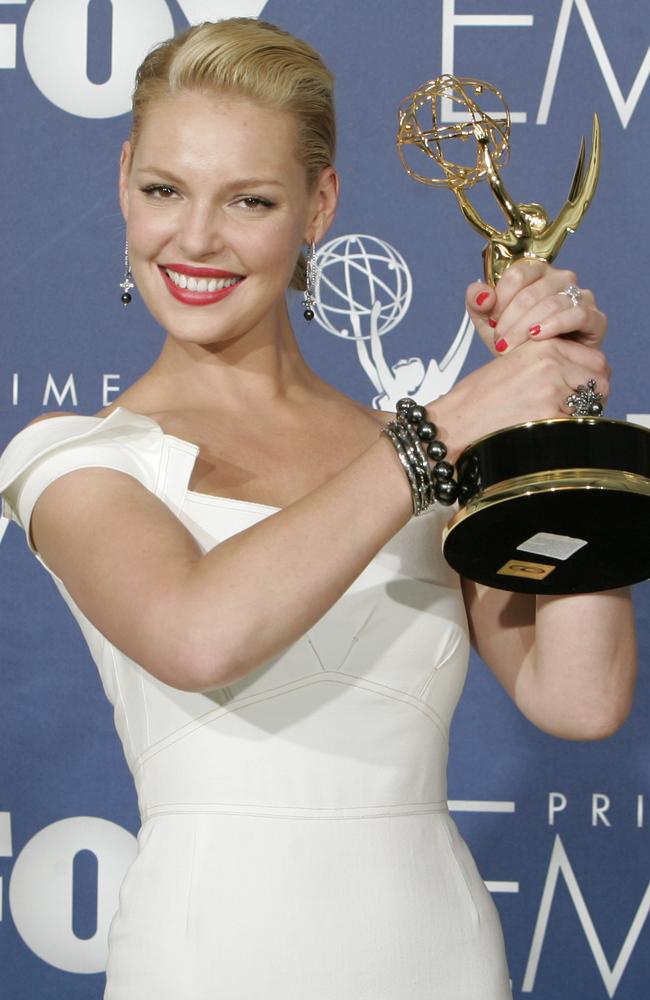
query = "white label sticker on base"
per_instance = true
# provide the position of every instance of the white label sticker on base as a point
(553, 546)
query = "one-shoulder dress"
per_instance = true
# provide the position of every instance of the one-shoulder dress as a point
(295, 842)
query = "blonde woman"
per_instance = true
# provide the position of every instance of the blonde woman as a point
(282, 642)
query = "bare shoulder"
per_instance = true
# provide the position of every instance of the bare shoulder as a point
(50, 416)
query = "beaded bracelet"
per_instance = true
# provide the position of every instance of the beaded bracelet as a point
(429, 482)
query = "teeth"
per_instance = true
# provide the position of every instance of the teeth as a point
(200, 284)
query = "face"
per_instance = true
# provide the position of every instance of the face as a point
(217, 208)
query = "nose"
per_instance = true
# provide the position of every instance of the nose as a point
(199, 233)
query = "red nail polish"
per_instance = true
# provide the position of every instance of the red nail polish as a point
(492, 322)
(501, 345)
(534, 330)
(481, 297)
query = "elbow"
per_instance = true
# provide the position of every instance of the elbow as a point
(221, 657)
(206, 667)
(588, 707)
(200, 660)
(585, 726)
(194, 645)
(607, 722)
(596, 729)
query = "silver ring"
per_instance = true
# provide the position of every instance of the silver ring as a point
(585, 401)
(574, 293)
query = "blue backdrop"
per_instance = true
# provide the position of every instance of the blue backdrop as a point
(560, 830)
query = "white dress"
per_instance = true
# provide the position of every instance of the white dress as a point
(295, 841)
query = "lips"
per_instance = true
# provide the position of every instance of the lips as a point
(199, 286)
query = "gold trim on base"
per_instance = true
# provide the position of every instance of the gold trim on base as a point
(550, 482)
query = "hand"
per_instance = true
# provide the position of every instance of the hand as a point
(531, 383)
(528, 304)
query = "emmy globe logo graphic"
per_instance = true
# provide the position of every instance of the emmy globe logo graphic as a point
(362, 291)
(354, 275)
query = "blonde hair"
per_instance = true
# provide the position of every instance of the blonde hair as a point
(254, 59)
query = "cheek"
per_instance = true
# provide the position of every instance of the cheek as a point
(294, 235)
(147, 230)
(276, 248)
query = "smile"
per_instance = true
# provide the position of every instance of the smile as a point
(199, 286)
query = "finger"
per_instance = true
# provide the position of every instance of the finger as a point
(480, 300)
(532, 303)
(553, 316)
(519, 293)
(517, 277)
(583, 323)
(601, 388)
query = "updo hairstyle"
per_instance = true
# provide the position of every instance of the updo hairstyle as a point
(255, 59)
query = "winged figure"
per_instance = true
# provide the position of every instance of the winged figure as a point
(530, 231)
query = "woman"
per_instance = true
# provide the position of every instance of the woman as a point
(283, 643)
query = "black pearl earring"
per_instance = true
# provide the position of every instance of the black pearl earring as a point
(311, 275)
(127, 284)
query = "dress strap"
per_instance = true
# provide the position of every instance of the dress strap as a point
(128, 442)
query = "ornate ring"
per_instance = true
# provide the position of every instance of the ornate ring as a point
(574, 293)
(585, 401)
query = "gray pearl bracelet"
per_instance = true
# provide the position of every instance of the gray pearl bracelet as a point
(430, 477)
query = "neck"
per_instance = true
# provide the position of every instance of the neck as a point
(262, 368)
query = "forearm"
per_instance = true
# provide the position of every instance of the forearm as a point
(258, 591)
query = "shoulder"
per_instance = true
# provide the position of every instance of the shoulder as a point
(49, 416)
(64, 425)
(53, 445)
(49, 430)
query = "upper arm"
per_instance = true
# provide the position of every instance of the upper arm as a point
(502, 630)
(123, 557)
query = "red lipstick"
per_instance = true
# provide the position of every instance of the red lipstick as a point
(194, 298)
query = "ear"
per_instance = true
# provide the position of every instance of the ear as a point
(125, 168)
(324, 200)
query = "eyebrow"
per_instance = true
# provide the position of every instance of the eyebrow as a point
(239, 183)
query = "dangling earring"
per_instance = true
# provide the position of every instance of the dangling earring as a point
(311, 270)
(127, 284)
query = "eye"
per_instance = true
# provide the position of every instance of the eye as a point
(254, 202)
(160, 191)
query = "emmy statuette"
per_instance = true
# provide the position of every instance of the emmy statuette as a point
(554, 506)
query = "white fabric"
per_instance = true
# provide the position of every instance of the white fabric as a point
(296, 843)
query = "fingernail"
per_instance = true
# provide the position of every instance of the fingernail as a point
(481, 297)
(501, 345)
(492, 322)
(534, 330)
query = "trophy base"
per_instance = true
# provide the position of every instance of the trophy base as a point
(560, 531)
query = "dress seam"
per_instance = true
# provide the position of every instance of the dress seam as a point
(428, 684)
(355, 638)
(308, 813)
(315, 651)
(335, 677)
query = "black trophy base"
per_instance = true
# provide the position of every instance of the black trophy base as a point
(576, 528)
